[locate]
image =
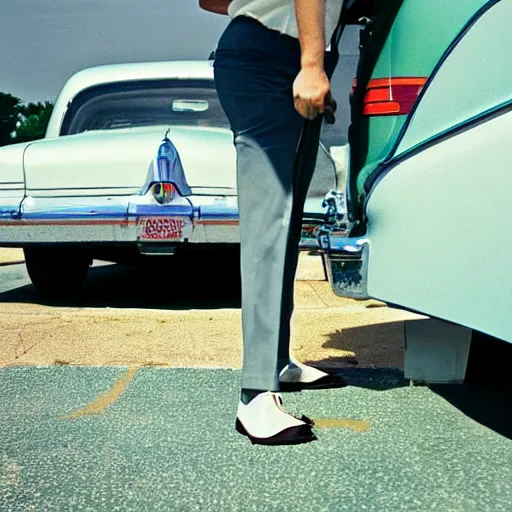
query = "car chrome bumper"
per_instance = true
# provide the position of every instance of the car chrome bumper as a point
(158, 229)
(133, 219)
(346, 261)
(345, 258)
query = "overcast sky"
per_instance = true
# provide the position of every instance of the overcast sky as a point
(43, 42)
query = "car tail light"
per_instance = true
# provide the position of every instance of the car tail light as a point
(392, 96)
(163, 192)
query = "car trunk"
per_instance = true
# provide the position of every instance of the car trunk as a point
(116, 162)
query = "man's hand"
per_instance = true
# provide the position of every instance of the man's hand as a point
(310, 90)
(311, 85)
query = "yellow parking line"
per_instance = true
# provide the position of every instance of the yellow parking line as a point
(98, 405)
(355, 425)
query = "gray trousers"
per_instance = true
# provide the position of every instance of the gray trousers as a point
(276, 154)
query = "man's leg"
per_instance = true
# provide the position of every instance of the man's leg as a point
(265, 191)
(305, 163)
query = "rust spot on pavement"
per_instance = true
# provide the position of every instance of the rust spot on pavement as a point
(99, 405)
(355, 425)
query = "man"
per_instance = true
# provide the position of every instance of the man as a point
(272, 74)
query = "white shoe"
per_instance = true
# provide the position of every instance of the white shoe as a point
(297, 376)
(297, 372)
(264, 421)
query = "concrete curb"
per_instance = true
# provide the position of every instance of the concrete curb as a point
(16, 262)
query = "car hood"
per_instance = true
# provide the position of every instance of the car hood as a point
(119, 159)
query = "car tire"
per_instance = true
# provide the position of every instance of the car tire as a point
(56, 271)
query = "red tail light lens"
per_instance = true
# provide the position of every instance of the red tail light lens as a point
(163, 192)
(392, 96)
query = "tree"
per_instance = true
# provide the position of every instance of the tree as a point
(34, 120)
(9, 112)
(22, 122)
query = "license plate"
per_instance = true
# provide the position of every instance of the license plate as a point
(162, 228)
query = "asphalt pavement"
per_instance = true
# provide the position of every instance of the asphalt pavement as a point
(124, 398)
(164, 439)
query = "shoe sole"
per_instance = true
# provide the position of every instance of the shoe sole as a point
(293, 435)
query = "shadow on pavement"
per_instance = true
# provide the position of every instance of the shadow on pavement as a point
(360, 344)
(353, 339)
(487, 395)
(155, 286)
(487, 404)
(377, 379)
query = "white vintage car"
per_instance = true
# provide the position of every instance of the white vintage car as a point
(138, 159)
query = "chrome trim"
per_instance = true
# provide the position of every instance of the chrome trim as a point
(218, 212)
(167, 167)
(334, 222)
(345, 258)
(334, 201)
(347, 266)
(71, 193)
(112, 218)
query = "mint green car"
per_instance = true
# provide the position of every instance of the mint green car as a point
(428, 197)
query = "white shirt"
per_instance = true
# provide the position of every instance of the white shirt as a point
(280, 14)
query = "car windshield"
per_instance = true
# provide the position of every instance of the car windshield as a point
(148, 103)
